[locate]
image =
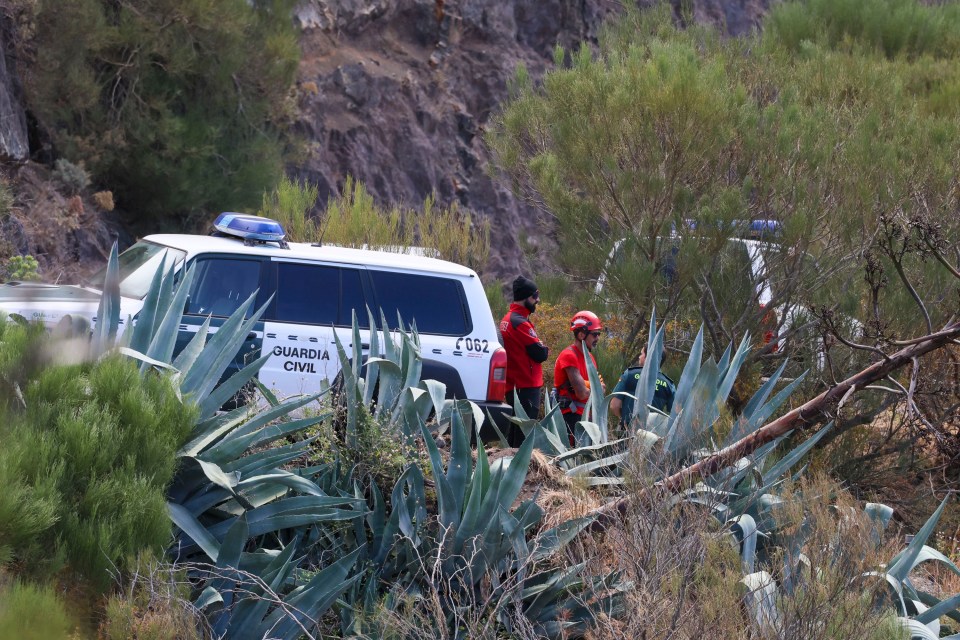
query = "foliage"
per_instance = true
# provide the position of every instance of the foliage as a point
(32, 612)
(74, 178)
(352, 219)
(23, 268)
(89, 456)
(153, 605)
(836, 142)
(894, 27)
(165, 101)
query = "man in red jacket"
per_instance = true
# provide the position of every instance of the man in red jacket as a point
(525, 352)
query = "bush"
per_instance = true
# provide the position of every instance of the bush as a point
(88, 454)
(22, 268)
(31, 612)
(353, 219)
(167, 102)
(154, 605)
(74, 178)
(893, 27)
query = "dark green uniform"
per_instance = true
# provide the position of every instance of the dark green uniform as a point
(662, 395)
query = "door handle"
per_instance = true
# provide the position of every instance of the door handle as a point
(252, 335)
(363, 345)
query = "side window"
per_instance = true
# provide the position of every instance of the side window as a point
(436, 304)
(307, 293)
(319, 295)
(352, 299)
(221, 285)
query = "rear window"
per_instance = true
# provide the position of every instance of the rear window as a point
(319, 295)
(437, 305)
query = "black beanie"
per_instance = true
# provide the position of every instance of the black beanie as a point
(523, 288)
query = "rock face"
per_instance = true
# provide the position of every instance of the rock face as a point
(397, 92)
(13, 120)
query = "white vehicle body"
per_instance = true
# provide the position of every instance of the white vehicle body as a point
(312, 293)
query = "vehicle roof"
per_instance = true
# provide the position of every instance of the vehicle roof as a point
(196, 244)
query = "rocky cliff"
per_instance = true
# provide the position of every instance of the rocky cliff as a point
(398, 92)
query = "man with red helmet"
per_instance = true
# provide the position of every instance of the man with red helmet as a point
(570, 377)
(525, 353)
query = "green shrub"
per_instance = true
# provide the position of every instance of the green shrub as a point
(73, 177)
(31, 612)
(88, 455)
(166, 102)
(892, 26)
(353, 219)
(22, 268)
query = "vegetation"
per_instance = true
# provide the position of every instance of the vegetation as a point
(381, 521)
(353, 220)
(165, 102)
(664, 142)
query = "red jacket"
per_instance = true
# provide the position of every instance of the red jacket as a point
(525, 351)
(572, 356)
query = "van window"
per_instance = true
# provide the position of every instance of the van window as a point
(319, 295)
(436, 304)
(221, 285)
(138, 264)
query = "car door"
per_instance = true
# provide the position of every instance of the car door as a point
(313, 300)
(220, 285)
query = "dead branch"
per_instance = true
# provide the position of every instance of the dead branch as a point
(804, 416)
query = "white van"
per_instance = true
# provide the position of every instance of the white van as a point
(315, 291)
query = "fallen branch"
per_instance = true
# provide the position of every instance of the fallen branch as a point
(806, 415)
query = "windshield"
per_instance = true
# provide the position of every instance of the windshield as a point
(137, 266)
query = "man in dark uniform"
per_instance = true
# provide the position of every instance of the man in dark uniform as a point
(663, 393)
(525, 352)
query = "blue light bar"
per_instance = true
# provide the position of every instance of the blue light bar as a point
(249, 227)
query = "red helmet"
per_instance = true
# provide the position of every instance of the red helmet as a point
(585, 320)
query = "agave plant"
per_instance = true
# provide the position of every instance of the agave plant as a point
(231, 492)
(248, 527)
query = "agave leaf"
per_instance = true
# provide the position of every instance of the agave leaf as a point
(164, 338)
(206, 598)
(210, 430)
(593, 431)
(784, 464)
(549, 542)
(190, 526)
(249, 611)
(595, 450)
(761, 395)
(108, 312)
(308, 603)
(460, 466)
(880, 516)
(940, 609)
(373, 369)
(448, 511)
(917, 630)
(235, 442)
(745, 529)
(221, 351)
(742, 428)
(610, 461)
(230, 387)
(697, 413)
(281, 477)
(142, 331)
(186, 358)
(690, 372)
(147, 361)
(760, 597)
(479, 488)
(906, 560)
